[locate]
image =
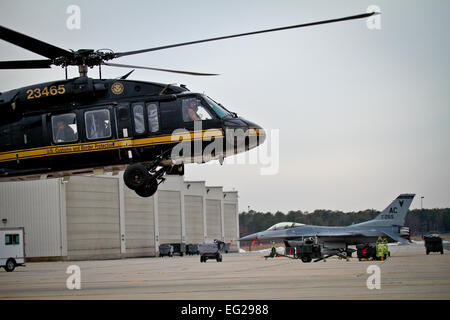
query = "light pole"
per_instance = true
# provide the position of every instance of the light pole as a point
(421, 210)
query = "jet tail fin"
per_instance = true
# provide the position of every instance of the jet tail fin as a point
(394, 214)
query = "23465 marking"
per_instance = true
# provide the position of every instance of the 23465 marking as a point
(46, 91)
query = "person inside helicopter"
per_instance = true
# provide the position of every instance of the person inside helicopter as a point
(62, 131)
(192, 111)
(97, 124)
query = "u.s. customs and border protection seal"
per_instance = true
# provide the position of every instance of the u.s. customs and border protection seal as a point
(117, 88)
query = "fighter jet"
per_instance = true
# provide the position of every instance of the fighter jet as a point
(388, 224)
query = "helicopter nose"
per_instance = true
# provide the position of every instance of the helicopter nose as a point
(257, 133)
(242, 135)
(260, 133)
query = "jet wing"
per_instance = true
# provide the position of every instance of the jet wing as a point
(344, 234)
(350, 234)
(396, 238)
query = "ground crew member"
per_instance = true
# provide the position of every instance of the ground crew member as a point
(380, 249)
(273, 252)
(385, 248)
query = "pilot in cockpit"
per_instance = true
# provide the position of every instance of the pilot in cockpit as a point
(192, 111)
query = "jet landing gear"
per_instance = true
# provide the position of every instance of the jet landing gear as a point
(342, 254)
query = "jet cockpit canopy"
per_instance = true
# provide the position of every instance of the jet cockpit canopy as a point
(285, 225)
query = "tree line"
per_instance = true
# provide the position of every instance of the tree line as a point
(419, 221)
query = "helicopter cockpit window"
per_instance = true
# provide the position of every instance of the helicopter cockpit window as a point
(98, 124)
(65, 128)
(221, 111)
(153, 120)
(193, 110)
(138, 113)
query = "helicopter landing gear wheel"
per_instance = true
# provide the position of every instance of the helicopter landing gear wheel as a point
(136, 176)
(148, 189)
(144, 179)
(176, 170)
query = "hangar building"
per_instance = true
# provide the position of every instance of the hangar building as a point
(98, 217)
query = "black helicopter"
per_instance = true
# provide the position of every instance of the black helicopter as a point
(84, 125)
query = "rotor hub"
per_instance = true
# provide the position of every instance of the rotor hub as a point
(85, 57)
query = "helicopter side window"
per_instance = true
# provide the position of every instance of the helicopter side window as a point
(98, 124)
(153, 120)
(193, 110)
(138, 113)
(64, 128)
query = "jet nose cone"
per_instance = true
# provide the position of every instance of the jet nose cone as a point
(250, 237)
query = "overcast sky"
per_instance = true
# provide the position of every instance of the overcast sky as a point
(363, 115)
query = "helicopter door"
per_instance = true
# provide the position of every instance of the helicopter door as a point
(198, 117)
(11, 137)
(123, 121)
(33, 134)
(170, 116)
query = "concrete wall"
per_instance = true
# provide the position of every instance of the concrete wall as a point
(95, 217)
(139, 225)
(169, 198)
(231, 219)
(93, 229)
(37, 207)
(169, 217)
(214, 223)
(194, 203)
(194, 218)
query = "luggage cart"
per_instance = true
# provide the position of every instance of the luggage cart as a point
(179, 248)
(209, 250)
(165, 250)
(366, 251)
(433, 243)
(191, 249)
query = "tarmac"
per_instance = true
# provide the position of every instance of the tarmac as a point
(408, 274)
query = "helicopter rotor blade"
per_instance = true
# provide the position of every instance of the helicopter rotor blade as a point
(359, 16)
(32, 44)
(26, 64)
(157, 69)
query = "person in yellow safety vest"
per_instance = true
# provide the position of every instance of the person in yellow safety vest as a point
(385, 248)
(380, 249)
(273, 252)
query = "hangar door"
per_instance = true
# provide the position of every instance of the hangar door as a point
(230, 222)
(93, 229)
(169, 216)
(193, 210)
(139, 225)
(213, 220)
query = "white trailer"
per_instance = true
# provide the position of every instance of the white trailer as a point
(12, 248)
